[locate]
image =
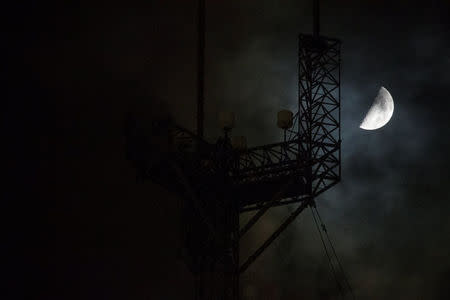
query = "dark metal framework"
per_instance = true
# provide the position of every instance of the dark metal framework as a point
(319, 110)
(311, 151)
(308, 162)
(218, 182)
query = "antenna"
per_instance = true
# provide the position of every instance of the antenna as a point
(200, 67)
(316, 18)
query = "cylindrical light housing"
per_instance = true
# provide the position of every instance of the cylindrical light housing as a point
(285, 119)
(226, 120)
(239, 142)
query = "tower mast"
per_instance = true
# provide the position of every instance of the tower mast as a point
(200, 66)
(316, 29)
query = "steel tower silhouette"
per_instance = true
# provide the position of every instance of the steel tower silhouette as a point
(218, 182)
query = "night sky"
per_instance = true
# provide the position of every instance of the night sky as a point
(78, 226)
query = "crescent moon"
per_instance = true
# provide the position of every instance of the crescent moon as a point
(380, 112)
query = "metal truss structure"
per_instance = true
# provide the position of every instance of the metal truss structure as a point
(296, 170)
(319, 109)
(219, 182)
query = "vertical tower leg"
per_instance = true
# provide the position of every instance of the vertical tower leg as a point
(319, 110)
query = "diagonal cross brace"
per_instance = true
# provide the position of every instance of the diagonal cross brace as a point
(274, 235)
(195, 201)
(278, 196)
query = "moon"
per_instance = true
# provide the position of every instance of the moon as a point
(380, 112)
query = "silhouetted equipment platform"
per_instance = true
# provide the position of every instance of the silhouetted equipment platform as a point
(220, 182)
